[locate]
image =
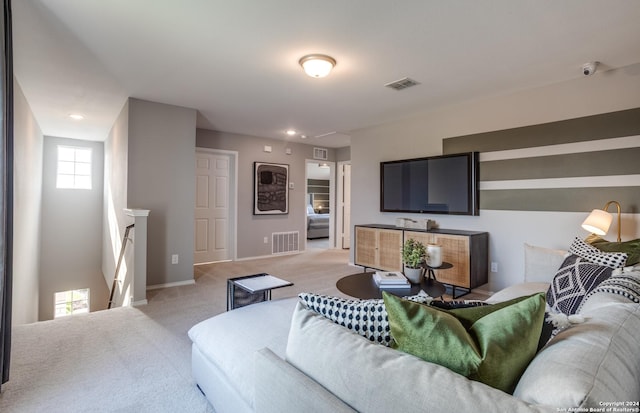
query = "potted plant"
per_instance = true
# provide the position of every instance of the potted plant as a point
(413, 255)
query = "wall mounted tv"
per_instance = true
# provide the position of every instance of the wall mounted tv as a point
(446, 184)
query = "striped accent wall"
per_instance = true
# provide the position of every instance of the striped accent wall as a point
(574, 165)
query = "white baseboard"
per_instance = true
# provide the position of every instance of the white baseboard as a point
(168, 285)
(139, 303)
(259, 257)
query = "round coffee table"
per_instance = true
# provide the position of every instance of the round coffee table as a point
(363, 286)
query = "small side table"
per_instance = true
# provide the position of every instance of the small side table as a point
(429, 271)
(430, 274)
(250, 289)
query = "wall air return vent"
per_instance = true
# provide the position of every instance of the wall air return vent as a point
(402, 84)
(285, 242)
(320, 153)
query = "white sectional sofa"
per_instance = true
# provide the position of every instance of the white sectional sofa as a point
(279, 356)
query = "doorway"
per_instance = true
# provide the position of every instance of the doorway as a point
(319, 204)
(215, 206)
(343, 211)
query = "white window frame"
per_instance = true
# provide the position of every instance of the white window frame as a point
(74, 171)
(74, 302)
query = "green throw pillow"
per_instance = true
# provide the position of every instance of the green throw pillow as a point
(632, 248)
(492, 344)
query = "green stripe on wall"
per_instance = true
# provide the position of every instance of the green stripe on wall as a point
(602, 163)
(607, 125)
(561, 199)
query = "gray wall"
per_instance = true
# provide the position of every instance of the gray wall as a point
(26, 210)
(423, 135)
(71, 241)
(343, 154)
(114, 201)
(161, 178)
(253, 228)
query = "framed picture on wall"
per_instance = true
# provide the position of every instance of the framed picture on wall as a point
(270, 188)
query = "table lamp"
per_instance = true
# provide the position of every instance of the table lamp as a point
(599, 221)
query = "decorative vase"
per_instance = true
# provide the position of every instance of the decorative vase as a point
(414, 275)
(434, 255)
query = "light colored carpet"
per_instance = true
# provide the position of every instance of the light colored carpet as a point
(139, 359)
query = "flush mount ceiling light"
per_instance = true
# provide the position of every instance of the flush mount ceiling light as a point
(317, 65)
(76, 116)
(290, 132)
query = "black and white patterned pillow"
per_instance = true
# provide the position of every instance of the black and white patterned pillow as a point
(575, 278)
(453, 304)
(595, 256)
(365, 317)
(625, 284)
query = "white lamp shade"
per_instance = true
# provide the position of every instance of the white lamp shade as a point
(598, 222)
(317, 65)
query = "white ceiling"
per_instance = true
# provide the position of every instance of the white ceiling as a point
(236, 62)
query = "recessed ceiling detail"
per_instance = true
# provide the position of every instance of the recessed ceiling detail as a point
(402, 84)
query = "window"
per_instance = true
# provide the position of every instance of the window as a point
(74, 168)
(71, 302)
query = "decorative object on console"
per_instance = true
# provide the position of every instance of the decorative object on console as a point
(434, 255)
(478, 342)
(367, 318)
(425, 224)
(599, 221)
(413, 256)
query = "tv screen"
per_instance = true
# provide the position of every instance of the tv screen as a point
(446, 184)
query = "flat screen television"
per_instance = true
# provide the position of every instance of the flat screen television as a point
(446, 184)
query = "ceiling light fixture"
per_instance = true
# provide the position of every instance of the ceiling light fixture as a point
(76, 116)
(291, 132)
(317, 65)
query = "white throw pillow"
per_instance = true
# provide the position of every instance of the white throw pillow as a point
(541, 264)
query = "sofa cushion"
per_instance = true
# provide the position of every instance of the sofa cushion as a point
(588, 364)
(595, 256)
(492, 344)
(518, 290)
(377, 379)
(367, 318)
(541, 264)
(576, 278)
(229, 340)
(631, 248)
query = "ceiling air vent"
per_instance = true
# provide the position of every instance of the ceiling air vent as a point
(402, 84)
(320, 153)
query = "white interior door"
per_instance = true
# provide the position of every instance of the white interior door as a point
(212, 217)
(346, 206)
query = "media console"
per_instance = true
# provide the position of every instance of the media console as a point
(379, 247)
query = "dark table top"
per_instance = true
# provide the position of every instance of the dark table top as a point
(362, 285)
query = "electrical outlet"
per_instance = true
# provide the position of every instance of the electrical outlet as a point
(174, 259)
(494, 266)
(266, 240)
